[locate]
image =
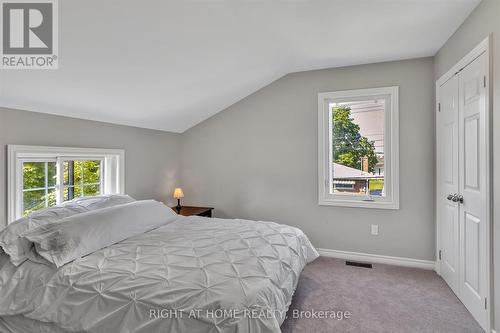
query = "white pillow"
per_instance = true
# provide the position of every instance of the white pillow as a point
(100, 201)
(20, 249)
(82, 234)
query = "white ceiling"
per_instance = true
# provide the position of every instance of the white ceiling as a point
(169, 65)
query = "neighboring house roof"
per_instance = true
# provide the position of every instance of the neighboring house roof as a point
(342, 171)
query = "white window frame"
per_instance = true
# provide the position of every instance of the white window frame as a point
(391, 149)
(113, 172)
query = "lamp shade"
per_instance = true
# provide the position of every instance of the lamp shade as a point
(178, 193)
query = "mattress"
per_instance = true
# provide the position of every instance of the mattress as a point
(192, 275)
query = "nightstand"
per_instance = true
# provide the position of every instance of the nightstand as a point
(191, 211)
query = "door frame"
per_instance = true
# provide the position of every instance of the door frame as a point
(482, 48)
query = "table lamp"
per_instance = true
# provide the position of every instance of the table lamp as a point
(178, 194)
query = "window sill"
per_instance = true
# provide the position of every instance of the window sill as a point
(359, 204)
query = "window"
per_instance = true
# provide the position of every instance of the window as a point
(40, 177)
(358, 148)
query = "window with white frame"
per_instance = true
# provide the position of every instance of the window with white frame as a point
(359, 148)
(40, 177)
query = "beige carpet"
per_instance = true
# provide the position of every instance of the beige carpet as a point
(382, 299)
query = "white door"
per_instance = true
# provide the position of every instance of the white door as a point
(447, 168)
(462, 173)
(473, 187)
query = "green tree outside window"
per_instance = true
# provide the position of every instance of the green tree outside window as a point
(40, 178)
(349, 146)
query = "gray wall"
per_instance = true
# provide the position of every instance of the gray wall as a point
(484, 21)
(258, 159)
(151, 157)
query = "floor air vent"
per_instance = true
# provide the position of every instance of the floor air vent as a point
(358, 264)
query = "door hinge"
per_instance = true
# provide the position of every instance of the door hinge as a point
(439, 107)
(486, 303)
(440, 254)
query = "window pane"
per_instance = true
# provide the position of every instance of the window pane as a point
(72, 172)
(91, 190)
(69, 170)
(358, 147)
(78, 172)
(33, 175)
(91, 172)
(52, 197)
(52, 173)
(32, 201)
(68, 193)
(78, 191)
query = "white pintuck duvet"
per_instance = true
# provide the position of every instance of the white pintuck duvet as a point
(192, 274)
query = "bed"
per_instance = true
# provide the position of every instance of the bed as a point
(160, 273)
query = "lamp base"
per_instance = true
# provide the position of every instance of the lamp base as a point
(178, 207)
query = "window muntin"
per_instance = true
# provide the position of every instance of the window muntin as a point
(358, 148)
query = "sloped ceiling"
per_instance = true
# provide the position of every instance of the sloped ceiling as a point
(169, 65)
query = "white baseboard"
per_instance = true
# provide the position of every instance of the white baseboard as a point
(378, 259)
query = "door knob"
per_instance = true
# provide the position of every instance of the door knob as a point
(455, 198)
